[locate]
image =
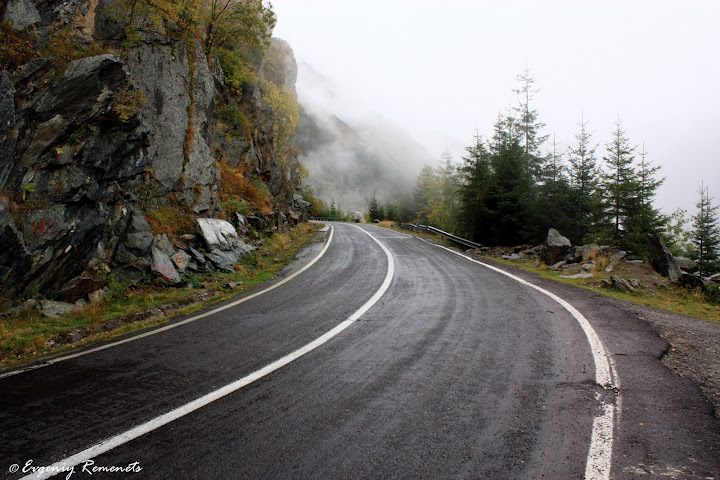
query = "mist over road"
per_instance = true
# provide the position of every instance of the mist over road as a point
(430, 366)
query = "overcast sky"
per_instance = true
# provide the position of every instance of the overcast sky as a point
(442, 69)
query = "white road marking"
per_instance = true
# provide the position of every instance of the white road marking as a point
(599, 456)
(175, 325)
(110, 443)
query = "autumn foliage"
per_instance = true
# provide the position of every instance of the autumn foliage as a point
(238, 186)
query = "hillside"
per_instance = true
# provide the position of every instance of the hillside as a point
(116, 135)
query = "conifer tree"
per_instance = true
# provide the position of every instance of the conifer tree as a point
(552, 208)
(645, 217)
(511, 196)
(475, 178)
(554, 171)
(528, 123)
(584, 184)
(619, 183)
(374, 210)
(706, 233)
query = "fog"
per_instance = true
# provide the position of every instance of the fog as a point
(352, 163)
(439, 70)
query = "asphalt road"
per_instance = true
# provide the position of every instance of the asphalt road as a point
(450, 370)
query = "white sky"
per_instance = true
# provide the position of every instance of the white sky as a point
(441, 69)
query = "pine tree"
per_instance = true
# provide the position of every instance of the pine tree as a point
(706, 233)
(584, 184)
(645, 218)
(554, 171)
(528, 123)
(619, 183)
(374, 210)
(475, 178)
(552, 208)
(512, 194)
(505, 132)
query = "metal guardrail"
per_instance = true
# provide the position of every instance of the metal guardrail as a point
(437, 231)
(330, 219)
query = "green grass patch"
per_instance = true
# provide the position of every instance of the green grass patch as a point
(674, 299)
(23, 338)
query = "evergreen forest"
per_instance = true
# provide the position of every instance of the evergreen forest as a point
(510, 188)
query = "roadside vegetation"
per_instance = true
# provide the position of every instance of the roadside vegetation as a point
(671, 298)
(26, 337)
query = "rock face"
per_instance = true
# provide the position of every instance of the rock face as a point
(555, 247)
(661, 258)
(89, 153)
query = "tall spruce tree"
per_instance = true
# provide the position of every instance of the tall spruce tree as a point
(528, 123)
(511, 196)
(619, 183)
(554, 171)
(584, 183)
(645, 217)
(706, 234)
(374, 212)
(475, 178)
(552, 208)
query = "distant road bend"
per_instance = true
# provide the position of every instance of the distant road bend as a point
(377, 355)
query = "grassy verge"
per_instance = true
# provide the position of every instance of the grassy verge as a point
(674, 299)
(27, 337)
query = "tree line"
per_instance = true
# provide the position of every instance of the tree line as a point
(508, 191)
(214, 23)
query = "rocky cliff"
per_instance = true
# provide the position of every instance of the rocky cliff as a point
(99, 153)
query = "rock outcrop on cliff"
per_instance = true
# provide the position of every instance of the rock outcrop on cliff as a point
(91, 151)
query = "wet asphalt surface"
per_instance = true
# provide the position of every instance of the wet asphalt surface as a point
(457, 372)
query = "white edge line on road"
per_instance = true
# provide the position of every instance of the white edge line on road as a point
(177, 324)
(106, 445)
(599, 457)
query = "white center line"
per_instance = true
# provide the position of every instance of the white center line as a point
(69, 463)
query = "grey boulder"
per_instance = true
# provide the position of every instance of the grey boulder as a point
(555, 248)
(163, 267)
(225, 248)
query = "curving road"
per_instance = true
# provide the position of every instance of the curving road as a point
(388, 357)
